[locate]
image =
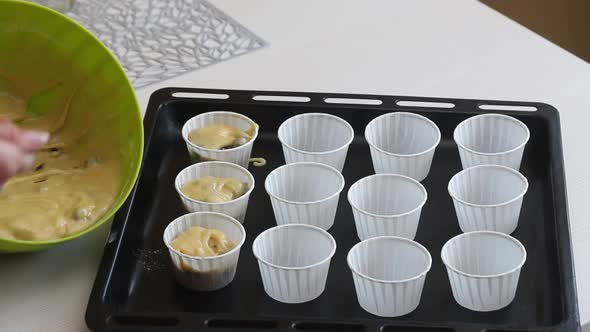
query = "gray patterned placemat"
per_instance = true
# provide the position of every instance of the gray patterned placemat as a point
(160, 39)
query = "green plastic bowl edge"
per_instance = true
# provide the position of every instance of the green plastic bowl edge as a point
(14, 246)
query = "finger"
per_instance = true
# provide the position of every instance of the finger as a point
(9, 131)
(27, 162)
(28, 140)
(11, 159)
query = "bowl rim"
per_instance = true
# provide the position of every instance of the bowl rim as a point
(127, 186)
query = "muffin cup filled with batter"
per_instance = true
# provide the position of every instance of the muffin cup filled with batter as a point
(211, 272)
(210, 124)
(221, 171)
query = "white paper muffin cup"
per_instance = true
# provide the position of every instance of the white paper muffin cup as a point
(491, 139)
(239, 155)
(294, 261)
(305, 193)
(316, 137)
(488, 198)
(389, 274)
(386, 204)
(235, 208)
(402, 143)
(483, 269)
(208, 273)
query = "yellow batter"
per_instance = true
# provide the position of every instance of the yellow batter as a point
(202, 242)
(213, 189)
(221, 136)
(75, 178)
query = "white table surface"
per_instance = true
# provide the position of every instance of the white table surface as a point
(457, 48)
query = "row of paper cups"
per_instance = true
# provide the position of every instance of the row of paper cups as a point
(400, 143)
(404, 143)
(388, 271)
(483, 268)
(483, 264)
(486, 197)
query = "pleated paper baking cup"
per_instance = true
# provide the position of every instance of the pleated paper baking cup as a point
(483, 269)
(389, 274)
(235, 208)
(239, 155)
(402, 143)
(305, 193)
(387, 204)
(316, 137)
(491, 139)
(488, 198)
(205, 273)
(294, 261)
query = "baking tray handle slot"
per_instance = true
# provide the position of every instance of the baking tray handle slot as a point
(424, 104)
(392, 328)
(140, 320)
(502, 107)
(255, 324)
(200, 95)
(353, 101)
(292, 99)
(500, 330)
(328, 327)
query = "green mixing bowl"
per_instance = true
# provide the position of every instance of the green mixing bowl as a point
(39, 44)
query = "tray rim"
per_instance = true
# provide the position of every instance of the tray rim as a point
(570, 320)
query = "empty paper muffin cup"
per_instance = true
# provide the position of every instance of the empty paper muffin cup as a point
(483, 269)
(491, 139)
(389, 274)
(386, 204)
(402, 143)
(239, 155)
(205, 273)
(294, 261)
(488, 198)
(235, 208)
(305, 193)
(316, 137)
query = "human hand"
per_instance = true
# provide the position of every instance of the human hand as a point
(16, 149)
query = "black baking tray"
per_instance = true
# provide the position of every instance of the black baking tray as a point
(134, 289)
